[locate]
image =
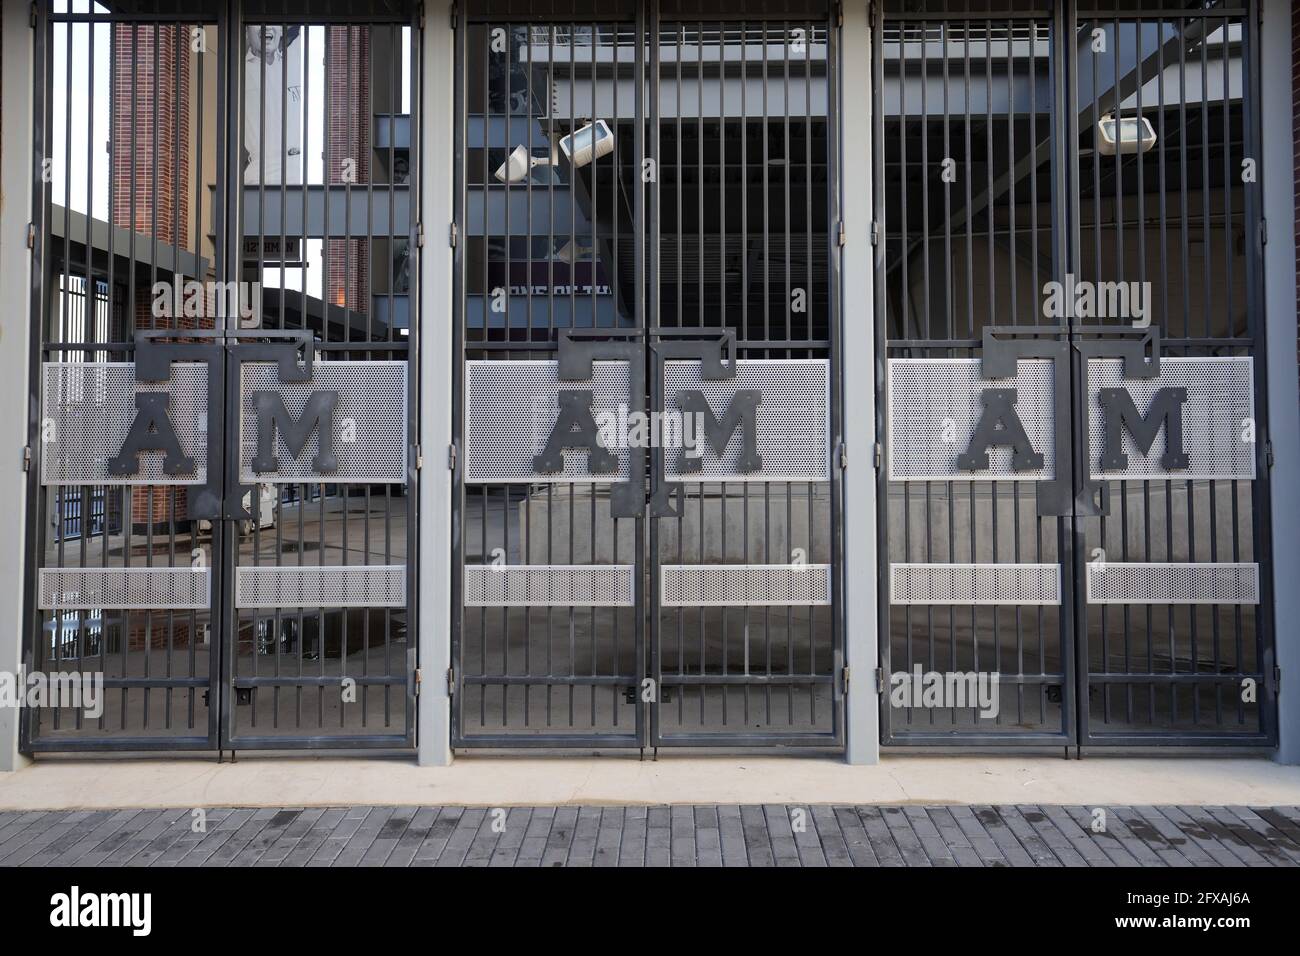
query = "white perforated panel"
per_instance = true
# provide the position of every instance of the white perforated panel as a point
(1111, 582)
(549, 585)
(794, 422)
(511, 408)
(370, 425)
(688, 585)
(75, 589)
(927, 583)
(355, 585)
(935, 404)
(1220, 403)
(91, 405)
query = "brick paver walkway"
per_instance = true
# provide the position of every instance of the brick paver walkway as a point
(657, 836)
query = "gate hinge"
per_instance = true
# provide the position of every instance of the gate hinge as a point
(1263, 231)
(451, 457)
(842, 456)
(455, 13)
(844, 679)
(843, 236)
(419, 235)
(839, 14)
(878, 456)
(451, 681)
(27, 458)
(453, 234)
(34, 14)
(419, 678)
(418, 453)
(875, 233)
(1268, 455)
(880, 680)
(31, 235)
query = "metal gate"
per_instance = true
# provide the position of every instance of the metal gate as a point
(1075, 478)
(644, 245)
(236, 408)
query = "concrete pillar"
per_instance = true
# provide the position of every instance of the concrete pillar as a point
(436, 274)
(858, 354)
(1278, 182)
(16, 172)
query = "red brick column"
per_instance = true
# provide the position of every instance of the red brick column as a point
(347, 269)
(151, 152)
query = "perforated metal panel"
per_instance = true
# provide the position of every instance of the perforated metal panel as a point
(1135, 582)
(357, 585)
(76, 589)
(511, 408)
(935, 404)
(793, 419)
(1220, 403)
(90, 407)
(717, 585)
(370, 427)
(549, 585)
(929, 583)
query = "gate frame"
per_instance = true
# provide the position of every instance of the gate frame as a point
(646, 20)
(228, 18)
(1066, 236)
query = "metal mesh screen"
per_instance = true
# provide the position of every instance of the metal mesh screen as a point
(549, 585)
(934, 406)
(370, 421)
(89, 408)
(793, 420)
(359, 585)
(1220, 403)
(511, 408)
(74, 589)
(1142, 582)
(928, 583)
(714, 585)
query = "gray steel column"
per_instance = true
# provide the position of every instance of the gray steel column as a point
(437, 155)
(1278, 182)
(15, 346)
(858, 356)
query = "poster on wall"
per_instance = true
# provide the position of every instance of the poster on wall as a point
(272, 109)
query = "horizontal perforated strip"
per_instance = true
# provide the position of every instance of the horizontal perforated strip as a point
(1111, 582)
(689, 585)
(355, 585)
(76, 589)
(549, 585)
(928, 583)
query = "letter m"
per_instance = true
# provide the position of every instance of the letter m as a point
(1166, 409)
(272, 413)
(742, 413)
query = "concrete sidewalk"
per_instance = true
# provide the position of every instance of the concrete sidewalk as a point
(501, 781)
